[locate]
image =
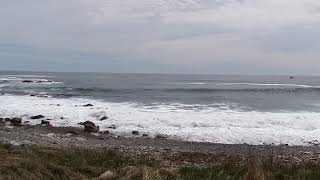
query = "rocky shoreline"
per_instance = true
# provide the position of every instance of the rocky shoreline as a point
(169, 152)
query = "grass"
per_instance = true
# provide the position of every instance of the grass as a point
(34, 162)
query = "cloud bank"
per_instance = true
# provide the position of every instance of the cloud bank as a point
(161, 36)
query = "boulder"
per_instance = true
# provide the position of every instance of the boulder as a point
(16, 121)
(88, 105)
(51, 135)
(45, 123)
(107, 175)
(145, 135)
(105, 132)
(90, 127)
(27, 81)
(37, 117)
(103, 118)
(136, 133)
(112, 127)
(161, 136)
(14, 143)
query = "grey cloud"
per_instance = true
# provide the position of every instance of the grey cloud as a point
(222, 36)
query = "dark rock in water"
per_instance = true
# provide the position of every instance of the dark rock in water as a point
(16, 121)
(88, 105)
(112, 127)
(61, 117)
(90, 127)
(291, 77)
(37, 117)
(58, 105)
(161, 136)
(105, 132)
(45, 123)
(86, 123)
(72, 132)
(27, 81)
(145, 135)
(32, 95)
(135, 133)
(2, 120)
(104, 118)
(7, 119)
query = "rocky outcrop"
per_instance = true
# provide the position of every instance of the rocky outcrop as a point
(90, 127)
(36, 81)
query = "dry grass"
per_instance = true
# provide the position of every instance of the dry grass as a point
(33, 162)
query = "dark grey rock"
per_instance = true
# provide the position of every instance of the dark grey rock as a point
(112, 127)
(16, 121)
(27, 81)
(88, 105)
(136, 133)
(90, 127)
(161, 136)
(104, 118)
(105, 132)
(45, 123)
(37, 117)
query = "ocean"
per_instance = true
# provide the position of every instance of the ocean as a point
(231, 109)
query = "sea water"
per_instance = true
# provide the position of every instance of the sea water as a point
(228, 109)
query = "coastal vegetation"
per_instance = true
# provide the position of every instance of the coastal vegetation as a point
(39, 162)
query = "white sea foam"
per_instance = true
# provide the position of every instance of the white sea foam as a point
(20, 78)
(196, 83)
(265, 84)
(28, 76)
(220, 125)
(247, 84)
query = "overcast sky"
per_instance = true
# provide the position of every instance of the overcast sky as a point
(161, 36)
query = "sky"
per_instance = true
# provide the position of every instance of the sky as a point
(161, 36)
